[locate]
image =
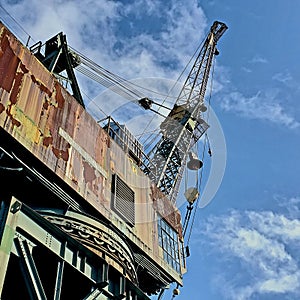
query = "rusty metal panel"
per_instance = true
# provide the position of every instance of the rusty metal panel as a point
(43, 116)
(40, 114)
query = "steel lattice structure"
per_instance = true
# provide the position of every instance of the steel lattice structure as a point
(184, 126)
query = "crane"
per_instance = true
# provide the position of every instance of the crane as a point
(179, 132)
(183, 126)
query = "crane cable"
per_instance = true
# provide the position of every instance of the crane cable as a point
(199, 180)
(94, 103)
(111, 80)
(105, 77)
(18, 24)
(117, 84)
(173, 87)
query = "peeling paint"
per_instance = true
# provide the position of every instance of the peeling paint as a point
(47, 140)
(63, 154)
(87, 157)
(59, 97)
(14, 121)
(49, 122)
(88, 172)
(8, 63)
(16, 88)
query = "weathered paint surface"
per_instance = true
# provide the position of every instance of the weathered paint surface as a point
(40, 114)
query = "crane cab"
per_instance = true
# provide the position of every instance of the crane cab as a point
(179, 116)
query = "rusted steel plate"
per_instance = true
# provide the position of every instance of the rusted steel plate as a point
(40, 114)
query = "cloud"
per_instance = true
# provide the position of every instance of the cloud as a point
(156, 43)
(138, 39)
(283, 77)
(246, 70)
(292, 205)
(287, 80)
(257, 59)
(260, 252)
(262, 106)
(134, 39)
(277, 226)
(72, 17)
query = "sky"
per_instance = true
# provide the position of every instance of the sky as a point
(245, 240)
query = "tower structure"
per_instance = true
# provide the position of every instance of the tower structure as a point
(184, 125)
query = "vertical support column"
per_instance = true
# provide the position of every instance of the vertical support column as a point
(8, 221)
(132, 296)
(32, 279)
(60, 269)
(122, 287)
(98, 292)
(59, 277)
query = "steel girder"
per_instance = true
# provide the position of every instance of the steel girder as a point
(40, 261)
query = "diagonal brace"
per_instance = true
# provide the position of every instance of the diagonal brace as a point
(31, 276)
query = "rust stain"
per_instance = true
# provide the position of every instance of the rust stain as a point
(8, 63)
(88, 172)
(47, 140)
(15, 91)
(74, 181)
(165, 208)
(13, 98)
(59, 97)
(15, 122)
(42, 87)
(46, 105)
(23, 68)
(63, 154)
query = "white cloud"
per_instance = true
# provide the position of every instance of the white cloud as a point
(282, 284)
(287, 80)
(129, 38)
(265, 247)
(283, 77)
(292, 205)
(140, 39)
(42, 19)
(263, 106)
(257, 59)
(246, 70)
(276, 225)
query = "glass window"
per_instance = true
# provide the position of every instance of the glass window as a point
(168, 240)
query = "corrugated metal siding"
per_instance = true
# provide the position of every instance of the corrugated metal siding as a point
(35, 110)
(47, 120)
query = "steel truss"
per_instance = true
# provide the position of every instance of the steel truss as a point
(40, 261)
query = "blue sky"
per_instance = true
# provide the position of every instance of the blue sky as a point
(244, 244)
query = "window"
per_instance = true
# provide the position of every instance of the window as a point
(168, 240)
(123, 200)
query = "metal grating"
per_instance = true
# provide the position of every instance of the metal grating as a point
(123, 200)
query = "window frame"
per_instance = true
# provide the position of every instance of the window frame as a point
(169, 242)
